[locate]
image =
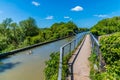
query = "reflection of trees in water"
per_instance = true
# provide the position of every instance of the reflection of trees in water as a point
(6, 66)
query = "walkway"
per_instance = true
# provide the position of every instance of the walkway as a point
(81, 66)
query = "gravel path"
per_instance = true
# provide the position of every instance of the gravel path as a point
(81, 66)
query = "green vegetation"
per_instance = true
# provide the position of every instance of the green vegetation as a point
(51, 70)
(106, 26)
(110, 49)
(83, 29)
(26, 32)
(93, 72)
(52, 65)
(111, 54)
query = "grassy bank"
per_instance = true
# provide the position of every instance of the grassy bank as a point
(110, 48)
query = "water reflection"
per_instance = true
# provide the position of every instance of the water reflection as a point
(7, 66)
(22, 66)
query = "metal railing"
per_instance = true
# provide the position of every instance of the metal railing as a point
(96, 49)
(66, 49)
(95, 44)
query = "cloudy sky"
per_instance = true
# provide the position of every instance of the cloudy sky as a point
(85, 13)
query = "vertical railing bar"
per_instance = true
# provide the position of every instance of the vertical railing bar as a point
(62, 53)
(74, 44)
(97, 45)
(70, 48)
(60, 64)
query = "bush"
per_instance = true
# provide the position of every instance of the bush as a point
(111, 54)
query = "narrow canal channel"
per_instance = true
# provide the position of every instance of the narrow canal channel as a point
(22, 66)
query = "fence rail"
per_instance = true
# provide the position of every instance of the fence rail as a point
(65, 49)
(95, 44)
(96, 49)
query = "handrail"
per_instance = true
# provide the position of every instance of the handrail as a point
(75, 42)
(95, 44)
(60, 66)
(95, 39)
(96, 49)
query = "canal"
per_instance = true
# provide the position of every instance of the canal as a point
(24, 66)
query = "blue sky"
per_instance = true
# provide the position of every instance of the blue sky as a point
(85, 13)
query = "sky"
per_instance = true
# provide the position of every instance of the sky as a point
(84, 13)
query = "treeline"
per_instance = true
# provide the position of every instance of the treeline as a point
(17, 35)
(106, 26)
(109, 30)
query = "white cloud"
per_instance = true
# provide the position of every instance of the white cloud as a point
(101, 16)
(66, 17)
(77, 8)
(35, 3)
(49, 17)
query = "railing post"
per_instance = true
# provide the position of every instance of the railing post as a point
(62, 53)
(74, 44)
(70, 48)
(96, 45)
(60, 65)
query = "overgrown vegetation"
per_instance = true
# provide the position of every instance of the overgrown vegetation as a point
(17, 35)
(93, 66)
(52, 65)
(111, 53)
(110, 49)
(106, 26)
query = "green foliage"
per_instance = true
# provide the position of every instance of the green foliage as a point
(111, 47)
(52, 66)
(82, 29)
(64, 29)
(93, 58)
(13, 35)
(51, 70)
(106, 26)
(111, 53)
(29, 27)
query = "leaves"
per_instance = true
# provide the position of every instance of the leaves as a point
(106, 26)
(111, 53)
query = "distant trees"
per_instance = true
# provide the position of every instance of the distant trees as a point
(16, 35)
(64, 29)
(83, 29)
(106, 26)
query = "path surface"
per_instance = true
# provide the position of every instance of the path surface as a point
(81, 66)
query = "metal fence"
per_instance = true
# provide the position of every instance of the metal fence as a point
(95, 44)
(66, 49)
(96, 50)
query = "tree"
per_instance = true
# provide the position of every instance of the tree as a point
(106, 26)
(13, 27)
(4, 26)
(29, 27)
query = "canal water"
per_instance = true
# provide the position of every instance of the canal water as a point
(22, 66)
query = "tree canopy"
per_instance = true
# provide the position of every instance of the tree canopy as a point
(16, 35)
(106, 26)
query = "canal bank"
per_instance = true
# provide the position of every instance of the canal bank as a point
(3, 55)
(22, 66)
